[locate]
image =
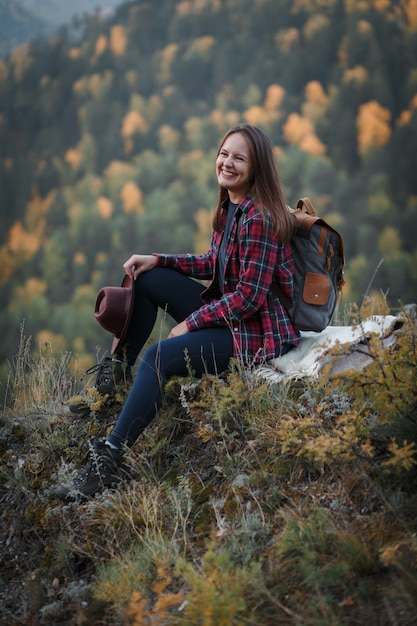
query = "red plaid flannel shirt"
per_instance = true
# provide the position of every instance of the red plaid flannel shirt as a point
(259, 322)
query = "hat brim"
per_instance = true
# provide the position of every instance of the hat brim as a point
(119, 341)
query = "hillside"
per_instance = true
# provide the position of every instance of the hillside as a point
(107, 144)
(58, 13)
(21, 21)
(247, 502)
(17, 25)
(244, 503)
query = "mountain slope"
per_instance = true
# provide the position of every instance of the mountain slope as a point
(17, 25)
(107, 145)
(23, 20)
(55, 12)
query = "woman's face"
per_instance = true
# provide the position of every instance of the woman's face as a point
(234, 168)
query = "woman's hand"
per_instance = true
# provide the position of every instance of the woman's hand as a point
(178, 330)
(139, 263)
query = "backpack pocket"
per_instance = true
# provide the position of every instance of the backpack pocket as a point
(316, 288)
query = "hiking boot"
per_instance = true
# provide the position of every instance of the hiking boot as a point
(103, 470)
(111, 374)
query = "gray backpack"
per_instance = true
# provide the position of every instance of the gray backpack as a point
(319, 264)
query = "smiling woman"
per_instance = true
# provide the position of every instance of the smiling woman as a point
(234, 167)
(238, 315)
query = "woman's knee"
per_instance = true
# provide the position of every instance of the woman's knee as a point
(146, 280)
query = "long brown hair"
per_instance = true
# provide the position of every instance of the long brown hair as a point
(265, 187)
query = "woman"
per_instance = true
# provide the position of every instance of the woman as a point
(238, 316)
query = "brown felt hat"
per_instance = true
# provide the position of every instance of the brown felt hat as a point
(113, 310)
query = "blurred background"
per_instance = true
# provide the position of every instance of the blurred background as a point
(111, 114)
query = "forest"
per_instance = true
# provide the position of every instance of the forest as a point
(23, 20)
(109, 131)
(246, 502)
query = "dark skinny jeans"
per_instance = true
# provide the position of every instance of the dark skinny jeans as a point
(203, 351)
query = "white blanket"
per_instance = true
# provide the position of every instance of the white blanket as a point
(307, 358)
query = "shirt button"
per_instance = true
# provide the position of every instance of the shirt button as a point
(235, 330)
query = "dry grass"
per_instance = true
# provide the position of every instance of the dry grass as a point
(245, 504)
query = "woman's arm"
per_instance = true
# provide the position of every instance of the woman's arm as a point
(139, 263)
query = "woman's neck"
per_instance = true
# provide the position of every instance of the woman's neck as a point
(235, 199)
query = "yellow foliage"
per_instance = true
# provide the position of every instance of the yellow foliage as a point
(74, 157)
(375, 303)
(204, 221)
(217, 590)
(381, 5)
(23, 242)
(357, 74)
(167, 57)
(389, 242)
(184, 7)
(203, 45)
(137, 612)
(404, 119)
(74, 53)
(80, 86)
(223, 120)
(194, 131)
(189, 7)
(380, 204)
(38, 208)
(312, 145)
(101, 257)
(196, 165)
(296, 128)
(133, 122)
(312, 5)
(315, 24)
(357, 5)
(373, 127)
(300, 131)
(287, 39)
(118, 169)
(104, 207)
(40, 166)
(315, 93)
(47, 339)
(80, 258)
(118, 40)
(342, 52)
(274, 97)
(97, 82)
(132, 198)
(402, 456)
(316, 101)
(405, 116)
(84, 295)
(364, 27)
(394, 553)
(21, 60)
(169, 137)
(8, 264)
(32, 288)
(101, 45)
(258, 116)
(409, 8)
(3, 70)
